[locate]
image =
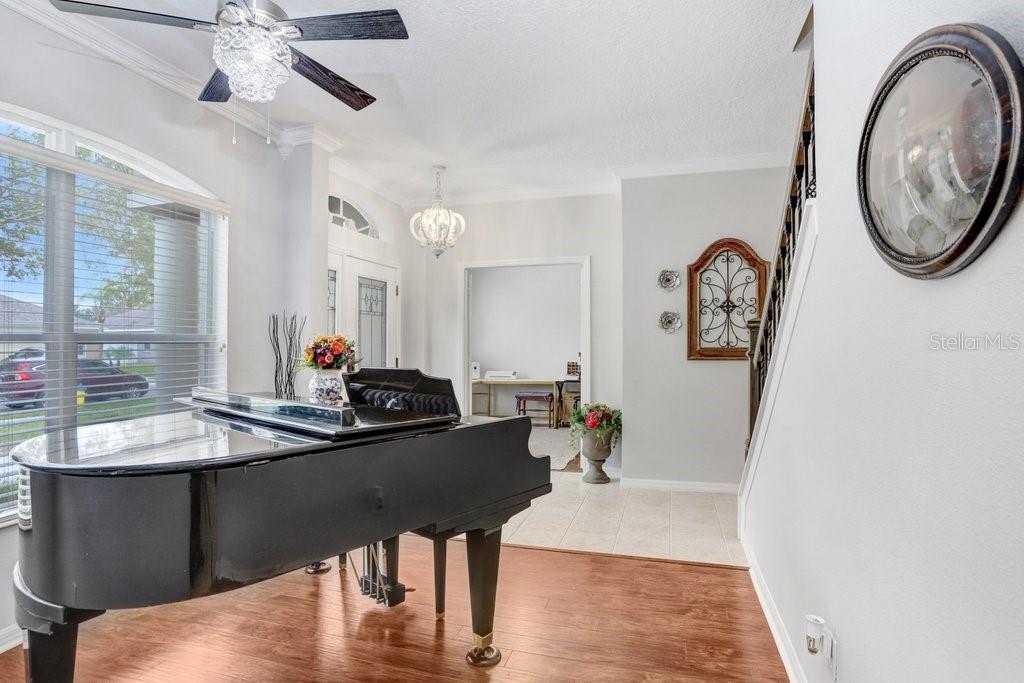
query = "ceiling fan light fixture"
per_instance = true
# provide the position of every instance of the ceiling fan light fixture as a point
(255, 61)
(437, 227)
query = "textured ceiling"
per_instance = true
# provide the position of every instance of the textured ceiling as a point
(537, 97)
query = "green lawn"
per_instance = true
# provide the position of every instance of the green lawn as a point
(97, 411)
(145, 369)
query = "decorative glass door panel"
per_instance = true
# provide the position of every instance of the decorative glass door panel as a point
(332, 301)
(373, 307)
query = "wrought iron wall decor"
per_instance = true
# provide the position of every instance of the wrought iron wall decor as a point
(939, 167)
(669, 280)
(670, 321)
(726, 288)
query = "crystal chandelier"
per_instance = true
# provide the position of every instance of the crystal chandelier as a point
(437, 227)
(255, 61)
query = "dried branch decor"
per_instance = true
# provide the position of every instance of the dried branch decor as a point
(285, 363)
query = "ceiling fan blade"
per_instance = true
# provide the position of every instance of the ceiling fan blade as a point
(129, 14)
(217, 88)
(350, 94)
(375, 25)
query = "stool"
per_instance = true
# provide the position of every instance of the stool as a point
(524, 398)
(571, 390)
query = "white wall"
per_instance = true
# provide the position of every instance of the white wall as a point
(9, 632)
(887, 497)
(543, 228)
(685, 420)
(524, 318)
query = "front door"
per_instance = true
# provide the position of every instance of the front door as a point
(370, 310)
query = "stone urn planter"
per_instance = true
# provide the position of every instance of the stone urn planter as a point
(596, 427)
(596, 450)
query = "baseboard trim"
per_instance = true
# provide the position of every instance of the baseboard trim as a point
(10, 636)
(775, 622)
(676, 485)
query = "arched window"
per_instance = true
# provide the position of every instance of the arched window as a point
(347, 216)
(44, 131)
(112, 282)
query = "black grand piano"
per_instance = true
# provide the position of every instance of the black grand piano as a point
(235, 489)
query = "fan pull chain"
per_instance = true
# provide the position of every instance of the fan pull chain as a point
(268, 123)
(234, 121)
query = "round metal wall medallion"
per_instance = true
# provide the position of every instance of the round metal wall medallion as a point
(939, 163)
(670, 321)
(668, 280)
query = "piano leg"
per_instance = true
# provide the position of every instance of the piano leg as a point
(342, 562)
(50, 658)
(394, 590)
(483, 548)
(440, 563)
(50, 633)
(318, 567)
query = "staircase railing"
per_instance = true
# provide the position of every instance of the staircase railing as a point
(764, 330)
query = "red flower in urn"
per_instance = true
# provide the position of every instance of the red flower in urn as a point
(603, 420)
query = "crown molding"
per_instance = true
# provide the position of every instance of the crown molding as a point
(90, 35)
(711, 165)
(609, 187)
(309, 134)
(367, 181)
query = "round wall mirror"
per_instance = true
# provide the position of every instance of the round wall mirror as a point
(939, 159)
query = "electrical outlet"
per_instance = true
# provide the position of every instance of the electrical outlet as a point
(821, 640)
(832, 655)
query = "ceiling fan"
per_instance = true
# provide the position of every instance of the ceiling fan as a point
(251, 45)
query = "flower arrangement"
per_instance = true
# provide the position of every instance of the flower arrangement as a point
(330, 352)
(602, 420)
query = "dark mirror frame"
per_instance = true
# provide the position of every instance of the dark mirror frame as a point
(1001, 67)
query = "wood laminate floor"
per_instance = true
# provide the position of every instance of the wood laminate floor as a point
(561, 616)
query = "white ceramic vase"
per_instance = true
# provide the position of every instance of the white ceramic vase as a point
(327, 387)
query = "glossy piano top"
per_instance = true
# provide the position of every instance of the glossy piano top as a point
(196, 440)
(228, 428)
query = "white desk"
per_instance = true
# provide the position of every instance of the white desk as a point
(556, 385)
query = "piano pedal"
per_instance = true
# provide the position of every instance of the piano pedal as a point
(394, 594)
(390, 595)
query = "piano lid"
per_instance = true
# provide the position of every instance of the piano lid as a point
(144, 442)
(226, 427)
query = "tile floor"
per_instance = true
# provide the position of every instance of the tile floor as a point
(699, 527)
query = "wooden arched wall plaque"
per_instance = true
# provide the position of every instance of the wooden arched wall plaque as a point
(726, 288)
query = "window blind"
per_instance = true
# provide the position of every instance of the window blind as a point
(112, 297)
